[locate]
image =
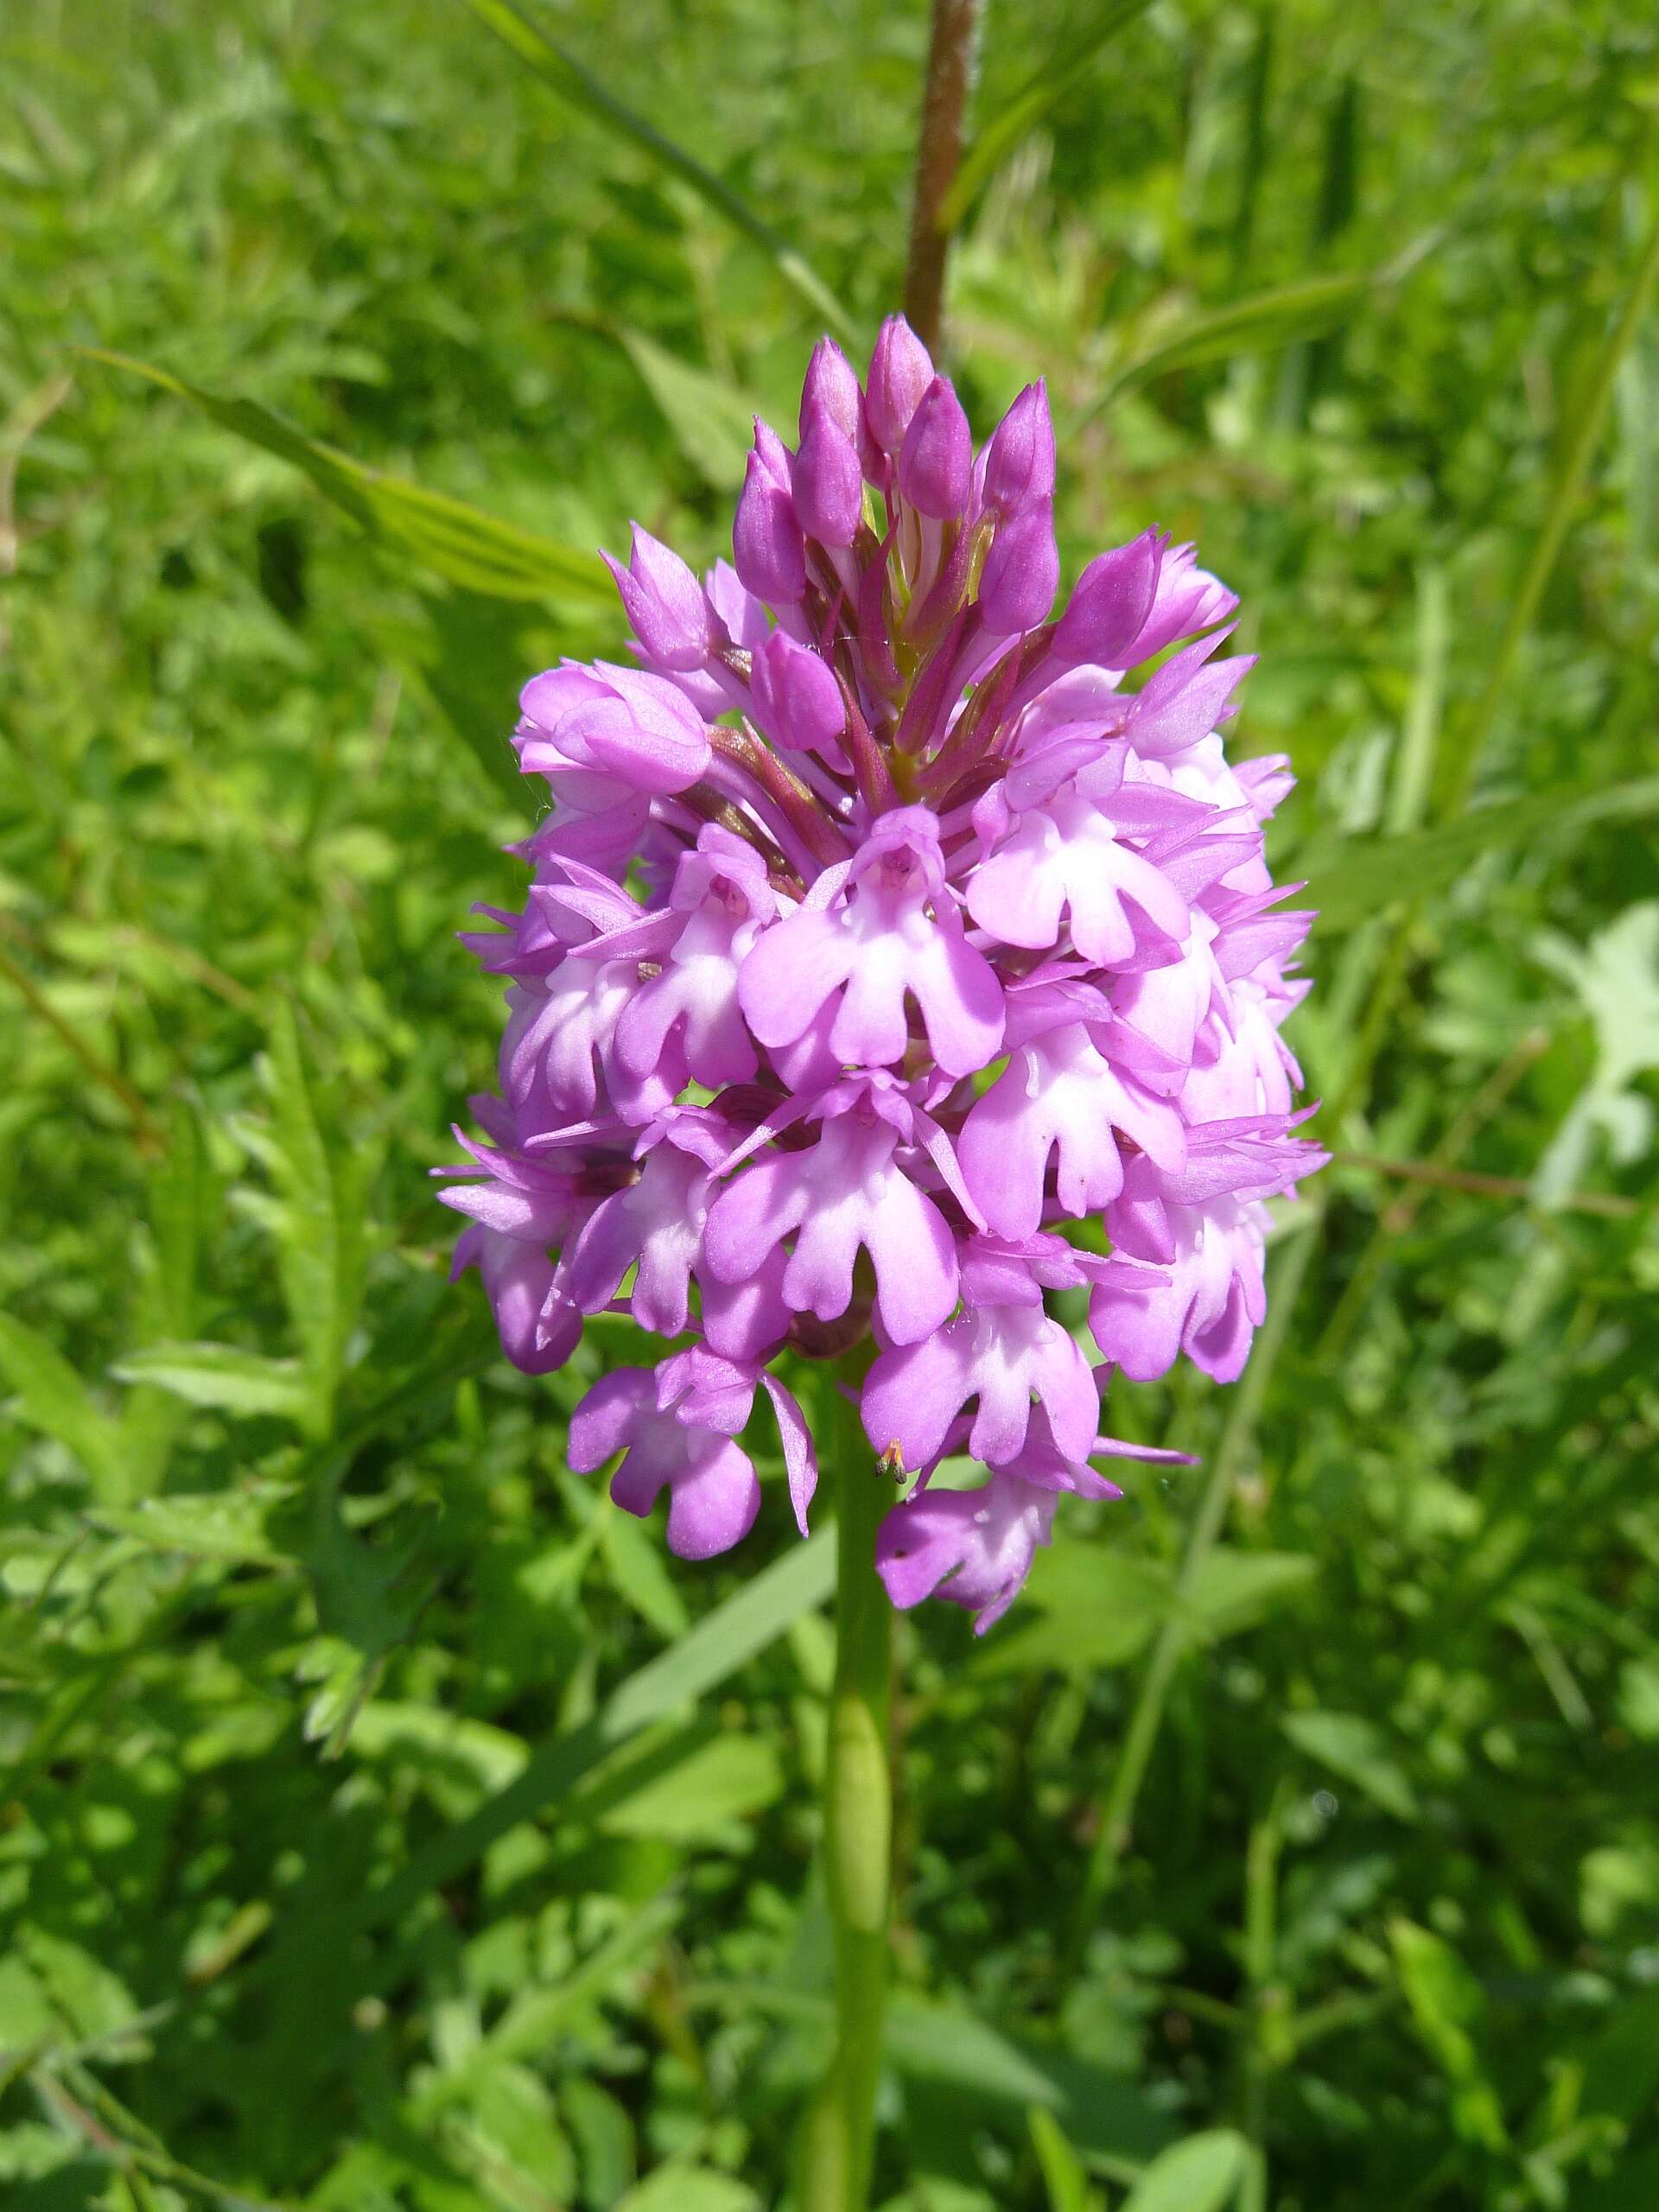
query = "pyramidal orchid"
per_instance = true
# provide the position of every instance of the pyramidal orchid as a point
(885, 926)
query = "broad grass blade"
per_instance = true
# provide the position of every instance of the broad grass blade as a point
(445, 535)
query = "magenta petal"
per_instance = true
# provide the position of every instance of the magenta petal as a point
(800, 1460)
(713, 1506)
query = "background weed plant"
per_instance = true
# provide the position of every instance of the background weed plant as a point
(385, 1821)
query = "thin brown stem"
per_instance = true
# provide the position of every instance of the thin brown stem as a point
(148, 1137)
(1608, 1203)
(952, 51)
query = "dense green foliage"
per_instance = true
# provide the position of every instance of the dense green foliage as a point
(347, 1856)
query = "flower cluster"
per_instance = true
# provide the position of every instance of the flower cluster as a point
(881, 927)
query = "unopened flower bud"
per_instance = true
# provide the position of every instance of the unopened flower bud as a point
(1022, 572)
(937, 459)
(832, 386)
(901, 370)
(773, 454)
(797, 701)
(665, 604)
(829, 484)
(1109, 607)
(767, 550)
(1019, 459)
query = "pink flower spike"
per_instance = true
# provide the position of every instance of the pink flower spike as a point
(899, 958)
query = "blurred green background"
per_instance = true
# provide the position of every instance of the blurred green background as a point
(360, 1845)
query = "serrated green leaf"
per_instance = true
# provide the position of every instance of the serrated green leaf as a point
(457, 542)
(1200, 2174)
(713, 424)
(51, 1397)
(564, 75)
(221, 1375)
(536, 2016)
(226, 1525)
(1358, 1751)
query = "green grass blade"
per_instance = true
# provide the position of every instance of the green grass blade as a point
(222, 1377)
(1257, 325)
(1064, 2178)
(1460, 767)
(1043, 90)
(1360, 878)
(51, 1397)
(455, 541)
(563, 74)
(754, 1617)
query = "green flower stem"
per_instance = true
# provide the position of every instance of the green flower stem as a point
(1117, 1810)
(858, 1842)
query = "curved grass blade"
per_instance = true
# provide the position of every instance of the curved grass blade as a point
(1361, 877)
(457, 542)
(711, 1651)
(1042, 91)
(1257, 325)
(563, 74)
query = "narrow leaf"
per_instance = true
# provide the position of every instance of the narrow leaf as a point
(221, 1375)
(51, 1397)
(1357, 1750)
(1233, 1590)
(579, 88)
(318, 1222)
(1098, 1605)
(1062, 2174)
(455, 541)
(223, 1525)
(1358, 878)
(1041, 91)
(937, 2043)
(744, 1623)
(1446, 2004)
(1258, 324)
